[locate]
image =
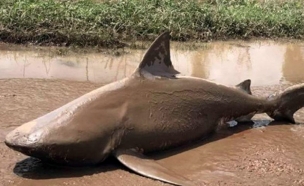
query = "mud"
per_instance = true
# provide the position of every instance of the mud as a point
(260, 153)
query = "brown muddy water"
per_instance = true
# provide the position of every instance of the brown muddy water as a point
(266, 63)
(34, 82)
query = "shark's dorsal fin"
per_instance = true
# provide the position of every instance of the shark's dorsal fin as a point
(157, 60)
(245, 86)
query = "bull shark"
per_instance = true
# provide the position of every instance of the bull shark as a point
(154, 109)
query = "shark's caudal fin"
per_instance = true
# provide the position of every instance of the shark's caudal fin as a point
(157, 60)
(287, 103)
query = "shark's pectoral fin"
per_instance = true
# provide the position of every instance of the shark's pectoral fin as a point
(140, 164)
(157, 60)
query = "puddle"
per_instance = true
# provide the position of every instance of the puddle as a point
(265, 62)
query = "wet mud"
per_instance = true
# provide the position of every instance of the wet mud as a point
(259, 153)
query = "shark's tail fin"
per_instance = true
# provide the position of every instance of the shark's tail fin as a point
(287, 103)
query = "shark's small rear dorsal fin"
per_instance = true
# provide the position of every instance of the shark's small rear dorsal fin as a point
(157, 60)
(245, 86)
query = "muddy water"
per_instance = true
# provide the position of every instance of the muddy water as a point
(266, 63)
(270, 154)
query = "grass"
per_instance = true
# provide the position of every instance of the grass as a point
(111, 23)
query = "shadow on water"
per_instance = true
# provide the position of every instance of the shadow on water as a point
(33, 168)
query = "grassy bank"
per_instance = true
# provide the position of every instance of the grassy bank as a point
(91, 23)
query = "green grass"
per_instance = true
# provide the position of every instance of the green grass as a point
(108, 23)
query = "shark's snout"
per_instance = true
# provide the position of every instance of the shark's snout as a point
(22, 139)
(23, 148)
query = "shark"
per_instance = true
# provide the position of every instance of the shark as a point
(154, 109)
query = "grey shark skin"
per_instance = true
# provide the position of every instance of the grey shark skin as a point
(151, 110)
